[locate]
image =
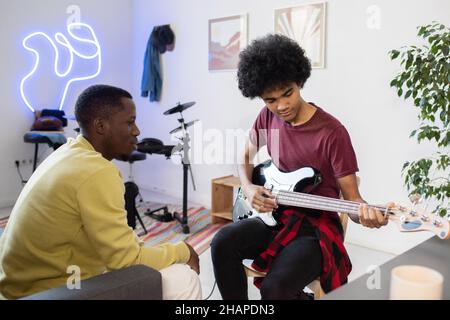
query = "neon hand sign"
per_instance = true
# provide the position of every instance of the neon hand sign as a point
(62, 40)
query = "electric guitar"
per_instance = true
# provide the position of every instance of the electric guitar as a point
(288, 189)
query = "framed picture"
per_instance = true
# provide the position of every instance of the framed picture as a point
(227, 37)
(306, 25)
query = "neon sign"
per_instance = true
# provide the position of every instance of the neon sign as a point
(62, 40)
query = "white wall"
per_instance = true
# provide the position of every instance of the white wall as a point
(111, 21)
(354, 87)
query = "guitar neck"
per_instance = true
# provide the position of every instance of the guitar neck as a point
(304, 200)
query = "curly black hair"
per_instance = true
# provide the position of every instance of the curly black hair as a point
(271, 62)
(98, 100)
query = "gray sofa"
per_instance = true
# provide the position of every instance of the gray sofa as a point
(137, 282)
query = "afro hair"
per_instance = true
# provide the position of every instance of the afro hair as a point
(270, 63)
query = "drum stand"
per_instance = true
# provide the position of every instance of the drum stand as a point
(182, 217)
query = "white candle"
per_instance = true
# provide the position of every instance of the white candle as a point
(411, 282)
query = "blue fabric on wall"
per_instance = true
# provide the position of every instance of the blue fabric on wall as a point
(151, 84)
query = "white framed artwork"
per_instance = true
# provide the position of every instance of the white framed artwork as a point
(305, 24)
(227, 38)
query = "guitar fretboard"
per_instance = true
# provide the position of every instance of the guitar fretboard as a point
(298, 199)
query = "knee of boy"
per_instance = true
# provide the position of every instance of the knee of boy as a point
(222, 239)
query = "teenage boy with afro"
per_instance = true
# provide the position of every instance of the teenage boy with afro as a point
(298, 134)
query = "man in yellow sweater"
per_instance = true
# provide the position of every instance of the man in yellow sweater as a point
(71, 211)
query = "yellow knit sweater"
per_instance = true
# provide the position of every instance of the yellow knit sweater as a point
(71, 213)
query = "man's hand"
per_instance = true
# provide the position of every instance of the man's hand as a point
(372, 218)
(193, 262)
(260, 198)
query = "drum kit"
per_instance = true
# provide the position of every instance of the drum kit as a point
(156, 146)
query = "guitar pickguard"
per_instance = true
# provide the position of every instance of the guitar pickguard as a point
(268, 175)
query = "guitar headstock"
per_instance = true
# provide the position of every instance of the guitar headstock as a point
(412, 220)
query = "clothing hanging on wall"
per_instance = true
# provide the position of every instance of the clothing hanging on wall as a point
(161, 39)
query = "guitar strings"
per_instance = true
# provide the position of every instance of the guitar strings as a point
(297, 198)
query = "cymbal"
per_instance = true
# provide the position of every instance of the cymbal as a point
(179, 108)
(188, 124)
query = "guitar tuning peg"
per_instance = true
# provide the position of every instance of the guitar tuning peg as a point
(437, 223)
(415, 198)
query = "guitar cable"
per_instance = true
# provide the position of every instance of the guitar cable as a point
(23, 181)
(212, 290)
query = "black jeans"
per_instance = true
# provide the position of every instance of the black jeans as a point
(299, 263)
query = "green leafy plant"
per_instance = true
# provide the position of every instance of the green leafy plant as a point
(424, 79)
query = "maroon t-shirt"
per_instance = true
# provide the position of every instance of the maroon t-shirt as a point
(322, 143)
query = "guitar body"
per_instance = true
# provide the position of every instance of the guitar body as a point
(268, 175)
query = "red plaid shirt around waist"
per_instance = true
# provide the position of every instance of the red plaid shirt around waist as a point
(336, 263)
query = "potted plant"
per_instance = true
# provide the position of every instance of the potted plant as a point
(424, 79)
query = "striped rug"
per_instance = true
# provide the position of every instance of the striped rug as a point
(200, 227)
(3, 222)
(199, 221)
